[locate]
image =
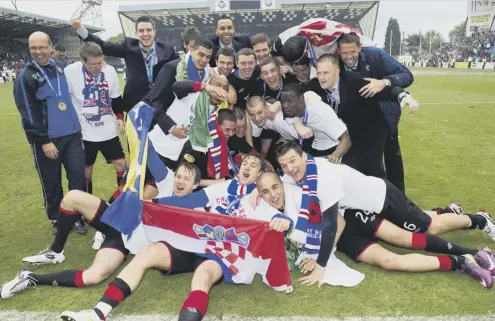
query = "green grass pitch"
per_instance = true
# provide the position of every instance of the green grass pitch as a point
(449, 154)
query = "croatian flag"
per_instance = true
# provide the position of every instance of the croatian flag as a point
(241, 246)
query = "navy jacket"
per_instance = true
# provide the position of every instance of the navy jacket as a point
(376, 63)
(136, 86)
(41, 116)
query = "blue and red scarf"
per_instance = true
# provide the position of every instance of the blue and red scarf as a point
(235, 192)
(219, 158)
(96, 95)
(308, 226)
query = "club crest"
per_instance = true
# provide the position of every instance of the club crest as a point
(219, 233)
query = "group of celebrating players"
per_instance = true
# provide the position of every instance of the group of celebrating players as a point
(292, 133)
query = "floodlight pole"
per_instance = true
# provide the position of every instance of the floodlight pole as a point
(14, 3)
(90, 11)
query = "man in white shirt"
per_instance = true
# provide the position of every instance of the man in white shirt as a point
(362, 246)
(373, 196)
(95, 92)
(113, 251)
(330, 133)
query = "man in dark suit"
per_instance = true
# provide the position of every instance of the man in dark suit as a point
(225, 37)
(374, 63)
(144, 57)
(161, 96)
(364, 117)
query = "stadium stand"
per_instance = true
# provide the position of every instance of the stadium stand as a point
(15, 28)
(172, 18)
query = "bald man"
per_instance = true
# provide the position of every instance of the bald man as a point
(50, 121)
(171, 149)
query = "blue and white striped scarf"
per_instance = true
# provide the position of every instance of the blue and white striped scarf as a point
(235, 192)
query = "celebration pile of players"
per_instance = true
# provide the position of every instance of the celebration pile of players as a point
(296, 132)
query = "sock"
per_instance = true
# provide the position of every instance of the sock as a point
(450, 262)
(477, 222)
(65, 222)
(89, 186)
(432, 243)
(120, 174)
(114, 196)
(69, 278)
(197, 300)
(116, 292)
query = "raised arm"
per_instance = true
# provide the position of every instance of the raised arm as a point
(108, 48)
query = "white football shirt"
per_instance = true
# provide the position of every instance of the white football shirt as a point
(104, 126)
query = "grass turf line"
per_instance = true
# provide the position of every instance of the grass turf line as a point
(449, 153)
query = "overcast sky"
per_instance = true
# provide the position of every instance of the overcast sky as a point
(412, 15)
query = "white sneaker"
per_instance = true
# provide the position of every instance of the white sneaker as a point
(490, 224)
(46, 256)
(86, 315)
(98, 240)
(21, 282)
(456, 208)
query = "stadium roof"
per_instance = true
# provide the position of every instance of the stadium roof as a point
(178, 14)
(18, 24)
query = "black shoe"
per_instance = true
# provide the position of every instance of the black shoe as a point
(80, 226)
(54, 227)
(190, 314)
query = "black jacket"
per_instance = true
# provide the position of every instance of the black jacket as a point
(240, 42)
(137, 85)
(361, 115)
(161, 96)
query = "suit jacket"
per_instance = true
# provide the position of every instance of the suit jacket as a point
(362, 116)
(161, 96)
(137, 85)
(240, 42)
(376, 63)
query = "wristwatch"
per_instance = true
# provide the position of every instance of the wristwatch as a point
(387, 82)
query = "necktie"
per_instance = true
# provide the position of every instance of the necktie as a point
(201, 74)
(148, 55)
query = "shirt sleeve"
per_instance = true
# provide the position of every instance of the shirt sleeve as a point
(328, 234)
(326, 120)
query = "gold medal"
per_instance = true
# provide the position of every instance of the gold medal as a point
(62, 106)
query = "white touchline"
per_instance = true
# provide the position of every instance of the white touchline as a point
(50, 316)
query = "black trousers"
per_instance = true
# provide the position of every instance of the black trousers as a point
(366, 152)
(394, 165)
(71, 156)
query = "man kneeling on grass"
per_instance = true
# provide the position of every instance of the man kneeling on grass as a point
(113, 250)
(170, 260)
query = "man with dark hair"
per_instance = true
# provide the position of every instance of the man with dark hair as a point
(331, 138)
(189, 36)
(261, 46)
(60, 53)
(113, 251)
(304, 71)
(374, 196)
(50, 122)
(225, 61)
(271, 83)
(194, 68)
(244, 77)
(225, 37)
(137, 53)
(381, 70)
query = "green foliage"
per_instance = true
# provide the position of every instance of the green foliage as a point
(393, 34)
